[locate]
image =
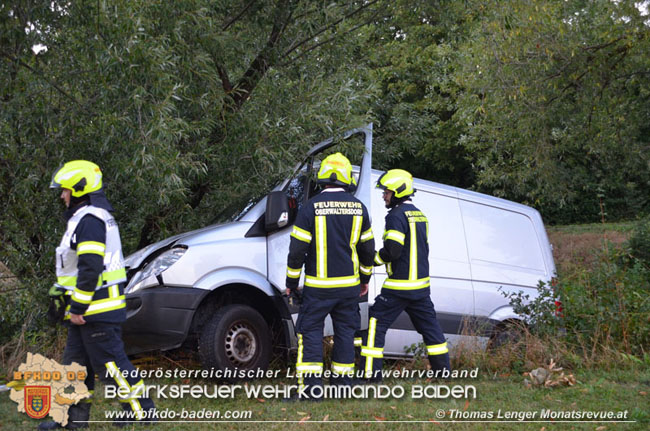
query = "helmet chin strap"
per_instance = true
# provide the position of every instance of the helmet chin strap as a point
(396, 201)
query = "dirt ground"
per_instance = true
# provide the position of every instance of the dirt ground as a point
(579, 249)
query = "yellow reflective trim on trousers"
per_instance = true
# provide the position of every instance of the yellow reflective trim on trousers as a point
(372, 328)
(391, 283)
(394, 235)
(413, 257)
(338, 364)
(137, 391)
(309, 367)
(372, 352)
(367, 235)
(344, 369)
(321, 247)
(437, 349)
(354, 239)
(293, 273)
(331, 282)
(91, 247)
(123, 383)
(301, 234)
(299, 360)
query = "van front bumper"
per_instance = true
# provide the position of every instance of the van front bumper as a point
(159, 318)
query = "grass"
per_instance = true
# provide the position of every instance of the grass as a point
(575, 246)
(595, 390)
(624, 227)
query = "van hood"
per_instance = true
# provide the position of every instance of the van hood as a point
(134, 260)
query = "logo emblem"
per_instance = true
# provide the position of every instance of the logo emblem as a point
(37, 401)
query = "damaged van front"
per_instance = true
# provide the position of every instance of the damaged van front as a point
(220, 288)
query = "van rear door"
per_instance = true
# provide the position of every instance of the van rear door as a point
(505, 254)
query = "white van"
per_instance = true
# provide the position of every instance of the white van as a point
(221, 288)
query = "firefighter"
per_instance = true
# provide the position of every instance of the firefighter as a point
(333, 238)
(89, 293)
(406, 256)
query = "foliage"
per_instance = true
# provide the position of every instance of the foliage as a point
(412, 60)
(188, 107)
(609, 304)
(640, 242)
(540, 313)
(604, 306)
(556, 99)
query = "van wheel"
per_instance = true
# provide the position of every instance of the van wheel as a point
(510, 333)
(237, 336)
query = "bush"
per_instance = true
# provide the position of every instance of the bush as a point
(603, 307)
(540, 313)
(640, 241)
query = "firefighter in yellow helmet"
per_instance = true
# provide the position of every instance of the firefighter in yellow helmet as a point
(88, 295)
(406, 256)
(332, 238)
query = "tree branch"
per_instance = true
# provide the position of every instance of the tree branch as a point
(238, 16)
(262, 63)
(327, 27)
(39, 74)
(603, 45)
(313, 47)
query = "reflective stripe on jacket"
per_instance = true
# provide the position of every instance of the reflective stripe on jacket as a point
(108, 295)
(333, 238)
(406, 249)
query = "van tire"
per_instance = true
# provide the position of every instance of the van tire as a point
(509, 333)
(237, 336)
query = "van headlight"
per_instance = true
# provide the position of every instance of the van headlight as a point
(148, 276)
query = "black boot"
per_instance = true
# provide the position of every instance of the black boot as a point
(49, 425)
(375, 378)
(78, 417)
(441, 364)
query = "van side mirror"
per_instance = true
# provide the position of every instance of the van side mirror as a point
(277, 211)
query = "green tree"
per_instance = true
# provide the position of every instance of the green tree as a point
(413, 60)
(190, 108)
(556, 96)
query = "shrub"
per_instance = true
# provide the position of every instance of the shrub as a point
(640, 241)
(606, 306)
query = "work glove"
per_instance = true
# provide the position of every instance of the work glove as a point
(56, 310)
(295, 296)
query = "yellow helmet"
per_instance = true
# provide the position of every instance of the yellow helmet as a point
(80, 176)
(335, 169)
(399, 181)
